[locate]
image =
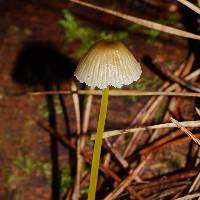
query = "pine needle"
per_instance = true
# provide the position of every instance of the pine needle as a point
(143, 22)
(181, 126)
(190, 5)
(191, 124)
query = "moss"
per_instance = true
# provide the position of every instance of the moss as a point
(27, 165)
(66, 179)
(85, 35)
(145, 84)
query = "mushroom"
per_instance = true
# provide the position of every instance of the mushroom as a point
(107, 63)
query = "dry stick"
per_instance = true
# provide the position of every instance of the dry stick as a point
(166, 86)
(198, 111)
(116, 154)
(178, 195)
(192, 196)
(118, 93)
(184, 71)
(143, 22)
(86, 117)
(107, 159)
(106, 170)
(165, 182)
(173, 109)
(166, 193)
(168, 143)
(75, 98)
(165, 140)
(198, 154)
(174, 102)
(170, 89)
(144, 115)
(196, 184)
(123, 92)
(191, 124)
(69, 194)
(188, 65)
(132, 142)
(125, 183)
(152, 103)
(156, 189)
(190, 5)
(154, 182)
(186, 131)
(195, 87)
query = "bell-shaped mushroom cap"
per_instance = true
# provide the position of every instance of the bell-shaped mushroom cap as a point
(108, 64)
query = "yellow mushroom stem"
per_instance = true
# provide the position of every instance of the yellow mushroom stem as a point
(97, 145)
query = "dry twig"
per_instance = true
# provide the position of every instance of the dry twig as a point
(191, 196)
(143, 22)
(182, 127)
(191, 124)
(118, 93)
(196, 184)
(78, 149)
(190, 5)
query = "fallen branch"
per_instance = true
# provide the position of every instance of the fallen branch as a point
(190, 124)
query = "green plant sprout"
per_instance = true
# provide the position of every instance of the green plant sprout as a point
(66, 179)
(85, 34)
(107, 63)
(150, 84)
(27, 165)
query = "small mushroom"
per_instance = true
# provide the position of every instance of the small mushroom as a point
(107, 63)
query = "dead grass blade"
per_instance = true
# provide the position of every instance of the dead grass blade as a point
(181, 126)
(75, 98)
(143, 22)
(182, 72)
(85, 123)
(118, 93)
(191, 196)
(190, 5)
(196, 184)
(125, 183)
(154, 103)
(191, 124)
(198, 111)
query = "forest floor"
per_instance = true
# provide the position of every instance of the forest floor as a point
(25, 159)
